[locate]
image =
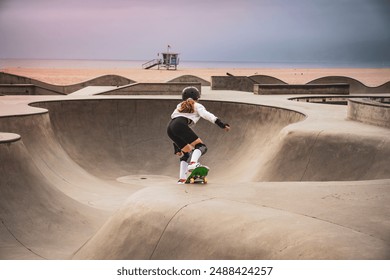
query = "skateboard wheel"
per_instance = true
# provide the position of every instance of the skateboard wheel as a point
(192, 180)
(205, 180)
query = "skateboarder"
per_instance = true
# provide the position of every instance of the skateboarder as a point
(187, 144)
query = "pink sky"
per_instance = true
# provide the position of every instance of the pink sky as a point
(244, 30)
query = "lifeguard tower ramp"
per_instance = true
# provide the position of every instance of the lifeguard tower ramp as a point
(151, 63)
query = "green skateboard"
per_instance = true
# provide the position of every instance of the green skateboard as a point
(198, 175)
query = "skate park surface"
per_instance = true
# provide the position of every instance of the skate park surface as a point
(94, 177)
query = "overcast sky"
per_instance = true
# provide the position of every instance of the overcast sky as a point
(230, 30)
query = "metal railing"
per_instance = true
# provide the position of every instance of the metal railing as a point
(151, 63)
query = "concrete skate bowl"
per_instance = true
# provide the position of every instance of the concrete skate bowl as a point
(95, 179)
(114, 138)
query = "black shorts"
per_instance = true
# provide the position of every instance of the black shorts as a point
(180, 133)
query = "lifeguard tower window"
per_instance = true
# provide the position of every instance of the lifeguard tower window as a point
(169, 61)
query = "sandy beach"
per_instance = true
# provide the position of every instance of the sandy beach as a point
(368, 76)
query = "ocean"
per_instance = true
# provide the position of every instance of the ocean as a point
(113, 64)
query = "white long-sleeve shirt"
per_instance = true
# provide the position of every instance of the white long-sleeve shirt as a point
(200, 112)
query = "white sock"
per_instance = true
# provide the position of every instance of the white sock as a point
(196, 155)
(183, 169)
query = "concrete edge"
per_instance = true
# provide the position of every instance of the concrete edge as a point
(6, 137)
(369, 111)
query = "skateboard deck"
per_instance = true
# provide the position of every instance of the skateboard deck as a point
(198, 175)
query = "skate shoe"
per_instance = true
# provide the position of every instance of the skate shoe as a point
(181, 181)
(192, 166)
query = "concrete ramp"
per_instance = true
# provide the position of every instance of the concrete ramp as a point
(95, 178)
(128, 136)
(199, 225)
(92, 90)
(48, 204)
(37, 220)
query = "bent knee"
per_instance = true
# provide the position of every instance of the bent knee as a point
(201, 147)
(185, 157)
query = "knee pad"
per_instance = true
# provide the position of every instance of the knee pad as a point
(201, 147)
(185, 157)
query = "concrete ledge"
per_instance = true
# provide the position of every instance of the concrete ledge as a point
(152, 89)
(170, 88)
(369, 111)
(239, 83)
(242, 83)
(263, 89)
(338, 99)
(190, 79)
(8, 137)
(26, 89)
(43, 88)
(355, 85)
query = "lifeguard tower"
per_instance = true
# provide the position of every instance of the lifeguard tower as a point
(168, 61)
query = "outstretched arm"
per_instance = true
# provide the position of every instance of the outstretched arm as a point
(211, 117)
(225, 126)
(205, 114)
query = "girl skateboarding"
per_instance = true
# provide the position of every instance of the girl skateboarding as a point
(187, 144)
